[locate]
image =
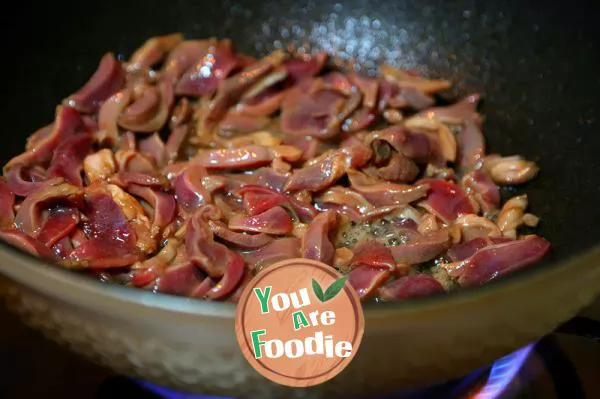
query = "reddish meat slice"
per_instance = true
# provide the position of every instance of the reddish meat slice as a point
(185, 279)
(259, 199)
(312, 114)
(39, 136)
(29, 218)
(230, 280)
(182, 113)
(389, 95)
(67, 161)
(24, 180)
(111, 237)
(150, 111)
(357, 153)
(146, 272)
(305, 67)
(249, 157)
(163, 205)
(366, 280)
(446, 200)
(208, 72)
(382, 193)
(263, 104)
(237, 294)
(413, 286)
(232, 88)
(481, 185)
(182, 279)
(317, 243)
(25, 242)
(343, 196)
(153, 51)
(266, 87)
(399, 169)
(373, 255)
(421, 248)
(183, 57)
(497, 260)
(460, 112)
(125, 179)
(107, 80)
(237, 123)
(267, 177)
(175, 142)
(361, 119)
(279, 249)
(189, 190)
(211, 257)
(154, 147)
(338, 82)
(369, 87)
(202, 289)
(471, 145)
(319, 175)
(274, 221)
(415, 146)
(108, 117)
(66, 123)
(465, 250)
(306, 144)
(59, 224)
(250, 241)
(416, 99)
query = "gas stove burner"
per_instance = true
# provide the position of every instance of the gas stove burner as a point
(562, 365)
(489, 383)
(502, 373)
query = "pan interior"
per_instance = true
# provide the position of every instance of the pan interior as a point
(536, 66)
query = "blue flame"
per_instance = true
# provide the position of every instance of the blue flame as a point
(172, 394)
(502, 372)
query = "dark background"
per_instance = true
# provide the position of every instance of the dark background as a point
(33, 367)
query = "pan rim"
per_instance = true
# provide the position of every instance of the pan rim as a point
(198, 307)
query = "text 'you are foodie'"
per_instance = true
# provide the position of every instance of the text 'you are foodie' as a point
(299, 323)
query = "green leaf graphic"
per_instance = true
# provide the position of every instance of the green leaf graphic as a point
(318, 290)
(335, 288)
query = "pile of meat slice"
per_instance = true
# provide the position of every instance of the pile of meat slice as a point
(190, 167)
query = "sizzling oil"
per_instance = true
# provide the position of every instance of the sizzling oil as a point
(381, 230)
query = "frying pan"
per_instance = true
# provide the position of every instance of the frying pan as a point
(534, 62)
